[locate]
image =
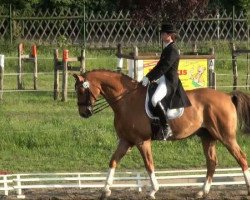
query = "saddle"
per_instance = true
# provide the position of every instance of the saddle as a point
(152, 112)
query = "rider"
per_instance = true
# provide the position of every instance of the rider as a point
(165, 73)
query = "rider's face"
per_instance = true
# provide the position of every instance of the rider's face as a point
(166, 37)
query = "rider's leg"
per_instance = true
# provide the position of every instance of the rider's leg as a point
(160, 93)
(163, 120)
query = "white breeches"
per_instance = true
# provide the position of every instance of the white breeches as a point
(160, 91)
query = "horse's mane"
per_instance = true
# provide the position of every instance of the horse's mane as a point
(130, 81)
(110, 71)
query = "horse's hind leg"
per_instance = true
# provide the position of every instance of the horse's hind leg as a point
(146, 152)
(121, 150)
(208, 143)
(240, 157)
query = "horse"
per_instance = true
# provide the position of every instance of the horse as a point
(213, 116)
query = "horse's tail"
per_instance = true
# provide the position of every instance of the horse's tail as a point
(242, 103)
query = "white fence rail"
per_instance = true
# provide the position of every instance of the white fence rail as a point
(17, 183)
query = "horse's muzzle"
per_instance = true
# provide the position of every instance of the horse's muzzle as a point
(87, 112)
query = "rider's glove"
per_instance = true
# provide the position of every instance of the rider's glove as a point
(145, 81)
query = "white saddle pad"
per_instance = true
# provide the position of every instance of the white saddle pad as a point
(171, 113)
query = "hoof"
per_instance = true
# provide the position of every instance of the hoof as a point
(102, 197)
(152, 194)
(200, 195)
(105, 193)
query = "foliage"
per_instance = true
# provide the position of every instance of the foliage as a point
(228, 4)
(111, 5)
(21, 4)
(165, 10)
(91, 5)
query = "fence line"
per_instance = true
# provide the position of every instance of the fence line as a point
(173, 178)
(114, 58)
(72, 90)
(109, 29)
(51, 58)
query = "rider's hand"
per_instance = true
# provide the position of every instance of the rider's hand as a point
(145, 81)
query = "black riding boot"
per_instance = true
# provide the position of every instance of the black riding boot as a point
(166, 131)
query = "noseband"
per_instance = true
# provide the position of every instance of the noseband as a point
(88, 103)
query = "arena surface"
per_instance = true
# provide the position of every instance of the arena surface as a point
(176, 193)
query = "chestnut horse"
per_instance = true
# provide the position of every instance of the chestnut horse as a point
(213, 116)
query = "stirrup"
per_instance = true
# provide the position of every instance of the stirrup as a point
(166, 133)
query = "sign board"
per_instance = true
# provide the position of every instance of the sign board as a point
(193, 73)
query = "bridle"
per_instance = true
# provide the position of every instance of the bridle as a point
(86, 86)
(101, 103)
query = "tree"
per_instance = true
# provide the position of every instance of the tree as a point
(91, 5)
(165, 10)
(240, 5)
(178, 10)
(146, 9)
(21, 4)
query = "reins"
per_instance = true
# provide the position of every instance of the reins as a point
(100, 105)
(104, 102)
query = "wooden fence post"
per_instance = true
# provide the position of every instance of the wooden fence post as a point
(56, 75)
(34, 55)
(82, 61)
(234, 63)
(194, 48)
(65, 75)
(212, 81)
(120, 59)
(136, 63)
(1, 75)
(19, 70)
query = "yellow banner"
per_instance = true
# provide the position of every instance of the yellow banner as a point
(192, 72)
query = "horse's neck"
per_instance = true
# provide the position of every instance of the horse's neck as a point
(116, 86)
(113, 85)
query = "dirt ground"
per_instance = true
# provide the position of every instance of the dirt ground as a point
(180, 193)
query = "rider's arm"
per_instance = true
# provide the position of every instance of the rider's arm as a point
(168, 58)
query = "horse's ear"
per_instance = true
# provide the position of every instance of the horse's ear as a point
(76, 77)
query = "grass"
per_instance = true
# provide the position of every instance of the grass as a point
(45, 135)
(42, 135)
(39, 134)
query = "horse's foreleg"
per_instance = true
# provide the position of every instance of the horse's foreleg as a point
(209, 149)
(121, 150)
(146, 152)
